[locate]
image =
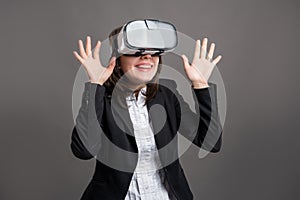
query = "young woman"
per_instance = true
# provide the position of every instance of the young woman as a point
(124, 118)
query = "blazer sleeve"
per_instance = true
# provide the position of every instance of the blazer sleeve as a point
(202, 127)
(86, 141)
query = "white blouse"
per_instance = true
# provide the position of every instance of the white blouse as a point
(148, 180)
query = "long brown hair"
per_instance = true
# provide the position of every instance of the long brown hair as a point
(152, 86)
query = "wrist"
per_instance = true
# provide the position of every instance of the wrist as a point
(200, 85)
(96, 82)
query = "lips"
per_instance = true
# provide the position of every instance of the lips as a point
(144, 65)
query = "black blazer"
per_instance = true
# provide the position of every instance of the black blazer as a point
(100, 123)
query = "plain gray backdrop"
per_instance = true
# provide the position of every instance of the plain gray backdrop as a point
(260, 68)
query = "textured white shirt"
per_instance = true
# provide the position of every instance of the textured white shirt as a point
(148, 180)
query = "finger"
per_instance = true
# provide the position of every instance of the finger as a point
(185, 61)
(211, 51)
(216, 60)
(81, 49)
(203, 48)
(97, 50)
(88, 46)
(78, 57)
(197, 49)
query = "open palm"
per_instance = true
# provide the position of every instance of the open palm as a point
(202, 65)
(91, 62)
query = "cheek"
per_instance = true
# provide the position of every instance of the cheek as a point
(127, 64)
(156, 60)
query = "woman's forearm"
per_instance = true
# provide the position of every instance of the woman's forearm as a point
(86, 140)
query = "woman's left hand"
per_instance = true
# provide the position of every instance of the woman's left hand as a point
(202, 65)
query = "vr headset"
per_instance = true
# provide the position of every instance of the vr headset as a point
(147, 36)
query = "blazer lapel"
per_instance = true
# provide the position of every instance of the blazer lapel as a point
(154, 112)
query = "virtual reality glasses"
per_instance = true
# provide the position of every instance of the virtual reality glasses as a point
(147, 36)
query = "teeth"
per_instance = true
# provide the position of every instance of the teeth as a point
(144, 66)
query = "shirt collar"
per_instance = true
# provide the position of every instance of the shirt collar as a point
(141, 96)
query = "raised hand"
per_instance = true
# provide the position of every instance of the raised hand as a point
(91, 62)
(202, 65)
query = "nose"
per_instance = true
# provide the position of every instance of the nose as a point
(146, 56)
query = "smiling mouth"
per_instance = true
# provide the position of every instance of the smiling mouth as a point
(144, 66)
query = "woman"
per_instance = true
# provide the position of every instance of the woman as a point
(127, 122)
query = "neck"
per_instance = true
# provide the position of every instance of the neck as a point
(132, 86)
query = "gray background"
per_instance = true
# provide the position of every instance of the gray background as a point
(260, 66)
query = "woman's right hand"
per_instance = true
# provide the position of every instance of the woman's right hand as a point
(91, 62)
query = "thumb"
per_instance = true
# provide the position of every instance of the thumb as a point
(112, 63)
(185, 61)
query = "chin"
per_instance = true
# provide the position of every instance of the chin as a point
(138, 81)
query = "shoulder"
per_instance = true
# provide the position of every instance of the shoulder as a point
(167, 85)
(167, 82)
(168, 90)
